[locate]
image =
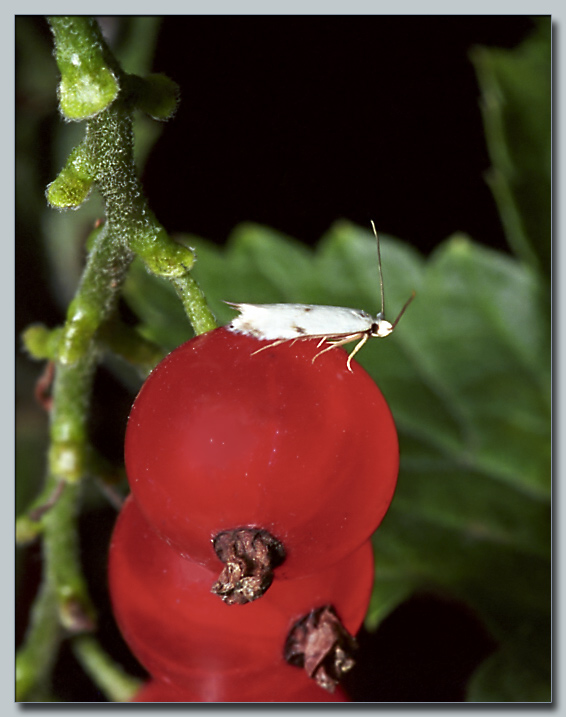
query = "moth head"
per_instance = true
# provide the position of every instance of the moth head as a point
(381, 328)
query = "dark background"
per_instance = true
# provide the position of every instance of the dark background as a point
(296, 122)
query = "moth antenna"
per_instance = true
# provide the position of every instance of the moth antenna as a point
(394, 324)
(382, 312)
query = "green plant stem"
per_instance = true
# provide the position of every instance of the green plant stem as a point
(116, 684)
(93, 87)
(63, 601)
(96, 297)
(108, 153)
(194, 303)
(36, 658)
(62, 563)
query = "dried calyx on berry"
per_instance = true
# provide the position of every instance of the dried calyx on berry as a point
(321, 645)
(250, 556)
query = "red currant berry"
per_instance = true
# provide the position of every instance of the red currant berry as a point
(159, 691)
(220, 438)
(183, 633)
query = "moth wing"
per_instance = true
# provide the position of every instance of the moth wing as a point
(292, 321)
(335, 321)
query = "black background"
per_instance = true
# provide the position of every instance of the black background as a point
(296, 122)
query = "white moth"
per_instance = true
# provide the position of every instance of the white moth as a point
(336, 324)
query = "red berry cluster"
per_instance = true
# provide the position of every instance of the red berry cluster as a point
(240, 566)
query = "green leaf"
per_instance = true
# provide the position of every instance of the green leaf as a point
(503, 678)
(516, 105)
(390, 590)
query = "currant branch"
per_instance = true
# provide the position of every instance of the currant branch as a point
(93, 88)
(36, 657)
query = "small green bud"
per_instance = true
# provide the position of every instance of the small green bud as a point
(41, 342)
(88, 85)
(27, 530)
(156, 95)
(74, 182)
(86, 91)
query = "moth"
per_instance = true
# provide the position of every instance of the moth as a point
(337, 325)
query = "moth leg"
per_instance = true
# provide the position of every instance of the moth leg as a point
(269, 346)
(357, 347)
(338, 342)
(277, 342)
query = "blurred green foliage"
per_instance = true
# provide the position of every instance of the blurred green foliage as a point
(517, 110)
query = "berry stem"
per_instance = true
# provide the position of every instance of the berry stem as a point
(194, 303)
(116, 684)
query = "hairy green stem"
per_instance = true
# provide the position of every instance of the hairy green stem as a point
(94, 88)
(194, 303)
(62, 562)
(35, 659)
